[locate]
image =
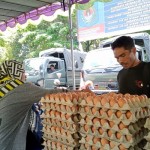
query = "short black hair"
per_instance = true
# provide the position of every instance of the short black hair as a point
(52, 66)
(124, 41)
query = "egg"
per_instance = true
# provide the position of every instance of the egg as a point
(128, 114)
(47, 105)
(62, 107)
(101, 131)
(121, 126)
(53, 144)
(75, 97)
(86, 127)
(111, 123)
(101, 112)
(121, 147)
(56, 97)
(53, 128)
(57, 129)
(118, 135)
(86, 109)
(103, 121)
(104, 101)
(95, 140)
(128, 137)
(93, 148)
(86, 145)
(51, 97)
(63, 116)
(145, 97)
(52, 112)
(57, 114)
(63, 97)
(87, 138)
(74, 108)
(68, 98)
(94, 110)
(118, 113)
(127, 95)
(109, 132)
(67, 116)
(119, 95)
(96, 120)
(109, 113)
(112, 102)
(93, 129)
(68, 109)
(104, 141)
(89, 99)
(96, 100)
(87, 119)
(121, 102)
(112, 145)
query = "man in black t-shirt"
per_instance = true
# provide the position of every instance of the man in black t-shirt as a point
(134, 78)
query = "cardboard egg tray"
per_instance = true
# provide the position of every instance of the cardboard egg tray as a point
(120, 138)
(62, 108)
(58, 131)
(147, 137)
(129, 105)
(51, 145)
(65, 125)
(46, 101)
(61, 139)
(106, 144)
(61, 116)
(103, 113)
(89, 147)
(116, 136)
(147, 146)
(131, 128)
(147, 124)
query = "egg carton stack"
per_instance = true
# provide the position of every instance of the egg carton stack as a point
(113, 121)
(60, 120)
(147, 137)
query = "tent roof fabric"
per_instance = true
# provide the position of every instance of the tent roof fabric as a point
(19, 11)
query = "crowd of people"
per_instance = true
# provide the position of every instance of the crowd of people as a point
(17, 96)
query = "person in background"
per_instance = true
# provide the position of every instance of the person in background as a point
(16, 100)
(51, 69)
(134, 78)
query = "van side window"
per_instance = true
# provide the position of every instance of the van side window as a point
(107, 45)
(139, 42)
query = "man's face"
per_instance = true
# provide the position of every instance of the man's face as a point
(126, 58)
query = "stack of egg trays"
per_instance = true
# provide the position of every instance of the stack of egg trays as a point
(60, 126)
(147, 137)
(135, 130)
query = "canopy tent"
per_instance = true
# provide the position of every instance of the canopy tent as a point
(13, 12)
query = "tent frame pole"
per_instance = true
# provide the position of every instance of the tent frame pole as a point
(71, 43)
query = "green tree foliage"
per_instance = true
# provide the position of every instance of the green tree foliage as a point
(30, 41)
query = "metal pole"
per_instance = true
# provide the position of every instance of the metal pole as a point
(71, 43)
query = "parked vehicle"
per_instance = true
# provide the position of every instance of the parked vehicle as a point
(102, 68)
(141, 39)
(37, 68)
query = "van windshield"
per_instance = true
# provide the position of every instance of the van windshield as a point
(32, 64)
(100, 59)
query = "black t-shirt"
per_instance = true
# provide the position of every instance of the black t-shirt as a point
(135, 80)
